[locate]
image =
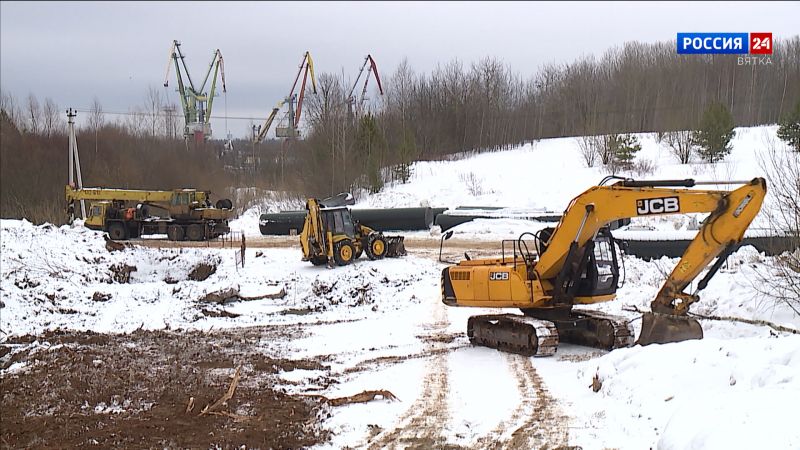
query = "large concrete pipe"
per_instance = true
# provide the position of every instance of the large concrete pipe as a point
(282, 223)
(402, 219)
(648, 250)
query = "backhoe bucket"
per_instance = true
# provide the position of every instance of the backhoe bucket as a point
(664, 328)
(395, 246)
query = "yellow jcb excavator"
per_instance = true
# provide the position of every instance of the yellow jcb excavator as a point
(576, 263)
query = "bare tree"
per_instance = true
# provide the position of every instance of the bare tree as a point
(680, 144)
(590, 148)
(137, 121)
(152, 108)
(781, 279)
(34, 112)
(96, 120)
(50, 117)
(9, 104)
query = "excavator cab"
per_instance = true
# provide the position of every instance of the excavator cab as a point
(601, 274)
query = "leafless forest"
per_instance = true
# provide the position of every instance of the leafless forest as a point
(459, 107)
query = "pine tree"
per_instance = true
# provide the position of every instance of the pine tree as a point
(789, 130)
(713, 138)
(625, 149)
(370, 143)
(619, 150)
(406, 153)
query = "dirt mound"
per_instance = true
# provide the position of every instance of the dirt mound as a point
(124, 391)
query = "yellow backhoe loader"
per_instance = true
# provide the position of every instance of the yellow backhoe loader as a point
(331, 236)
(576, 263)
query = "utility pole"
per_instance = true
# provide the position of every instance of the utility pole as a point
(74, 160)
(256, 130)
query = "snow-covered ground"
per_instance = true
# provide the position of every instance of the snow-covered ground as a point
(381, 324)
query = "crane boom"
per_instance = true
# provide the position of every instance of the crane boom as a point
(373, 69)
(196, 103)
(130, 195)
(306, 69)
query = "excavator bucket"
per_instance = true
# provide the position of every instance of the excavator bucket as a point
(395, 246)
(664, 328)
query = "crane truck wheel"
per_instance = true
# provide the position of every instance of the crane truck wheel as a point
(195, 232)
(343, 253)
(117, 231)
(376, 247)
(175, 233)
(224, 204)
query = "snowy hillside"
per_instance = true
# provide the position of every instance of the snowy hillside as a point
(382, 325)
(547, 174)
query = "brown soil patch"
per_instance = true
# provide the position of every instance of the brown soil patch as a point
(132, 391)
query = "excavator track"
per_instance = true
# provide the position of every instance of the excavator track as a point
(595, 329)
(514, 333)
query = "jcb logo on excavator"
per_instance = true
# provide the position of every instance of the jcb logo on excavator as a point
(657, 205)
(498, 276)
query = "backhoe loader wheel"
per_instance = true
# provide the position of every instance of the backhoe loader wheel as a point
(175, 233)
(195, 232)
(117, 232)
(343, 253)
(376, 247)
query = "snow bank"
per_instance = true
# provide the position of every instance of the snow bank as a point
(714, 393)
(65, 278)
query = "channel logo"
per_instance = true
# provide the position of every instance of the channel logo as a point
(724, 43)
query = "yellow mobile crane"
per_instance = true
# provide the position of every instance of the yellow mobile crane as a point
(190, 214)
(576, 264)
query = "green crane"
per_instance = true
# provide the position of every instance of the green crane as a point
(195, 102)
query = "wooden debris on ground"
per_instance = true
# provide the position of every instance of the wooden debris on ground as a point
(232, 294)
(361, 397)
(209, 409)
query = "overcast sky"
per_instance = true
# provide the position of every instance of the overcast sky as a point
(74, 51)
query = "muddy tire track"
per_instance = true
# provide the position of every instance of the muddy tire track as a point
(539, 420)
(420, 427)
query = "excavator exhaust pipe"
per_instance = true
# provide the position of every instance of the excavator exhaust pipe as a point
(664, 328)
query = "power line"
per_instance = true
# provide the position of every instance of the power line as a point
(150, 113)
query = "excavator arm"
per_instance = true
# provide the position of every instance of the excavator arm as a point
(731, 214)
(268, 123)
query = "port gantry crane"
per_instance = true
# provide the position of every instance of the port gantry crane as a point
(291, 121)
(195, 102)
(356, 108)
